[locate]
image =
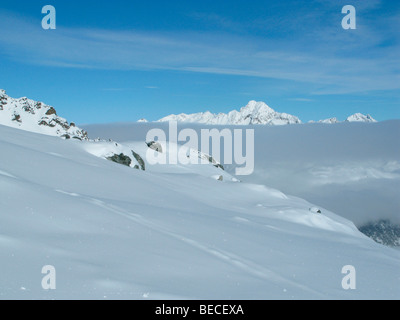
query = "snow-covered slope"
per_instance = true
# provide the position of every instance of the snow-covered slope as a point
(35, 116)
(167, 233)
(359, 117)
(253, 113)
(353, 169)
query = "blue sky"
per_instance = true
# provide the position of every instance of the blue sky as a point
(116, 61)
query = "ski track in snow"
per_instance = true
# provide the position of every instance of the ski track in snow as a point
(234, 260)
(72, 194)
(55, 154)
(6, 174)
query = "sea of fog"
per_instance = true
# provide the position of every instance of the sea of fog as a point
(352, 169)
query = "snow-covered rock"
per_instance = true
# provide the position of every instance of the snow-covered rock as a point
(359, 117)
(35, 116)
(115, 152)
(156, 146)
(383, 231)
(254, 113)
(143, 121)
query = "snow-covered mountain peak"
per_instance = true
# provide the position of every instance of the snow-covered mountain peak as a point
(330, 121)
(256, 107)
(253, 113)
(359, 117)
(35, 116)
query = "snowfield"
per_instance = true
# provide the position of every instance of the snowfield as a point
(170, 232)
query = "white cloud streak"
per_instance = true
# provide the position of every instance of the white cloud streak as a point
(328, 69)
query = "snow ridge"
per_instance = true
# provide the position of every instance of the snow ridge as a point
(35, 116)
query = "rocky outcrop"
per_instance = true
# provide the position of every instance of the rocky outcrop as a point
(16, 117)
(156, 146)
(127, 161)
(139, 160)
(383, 231)
(121, 159)
(210, 159)
(3, 99)
(51, 111)
(35, 116)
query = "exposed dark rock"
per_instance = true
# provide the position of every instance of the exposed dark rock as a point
(17, 118)
(28, 108)
(51, 124)
(383, 232)
(156, 146)
(3, 100)
(63, 124)
(214, 163)
(139, 160)
(51, 111)
(121, 159)
(66, 136)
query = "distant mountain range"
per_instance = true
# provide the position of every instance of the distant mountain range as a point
(357, 117)
(35, 116)
(253, 113)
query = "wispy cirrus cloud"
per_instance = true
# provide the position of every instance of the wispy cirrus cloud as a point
(336, 63)
(301, 99)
